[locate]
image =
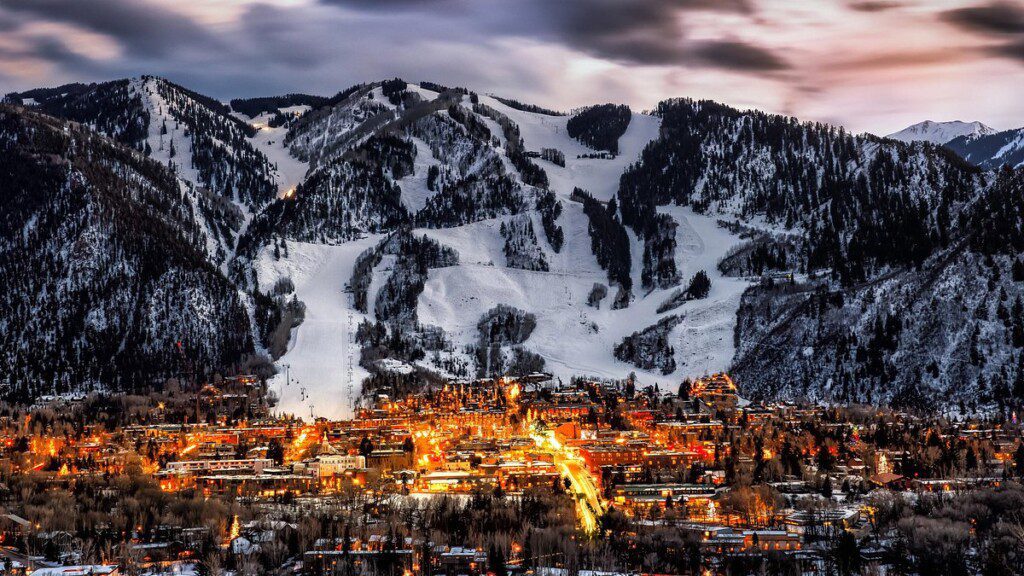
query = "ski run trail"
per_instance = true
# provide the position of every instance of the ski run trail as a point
(319, 375)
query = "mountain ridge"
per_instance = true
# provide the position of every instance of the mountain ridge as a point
(992, 151)
(942, 132)
(538, 220)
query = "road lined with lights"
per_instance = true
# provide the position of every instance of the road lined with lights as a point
(589, 505)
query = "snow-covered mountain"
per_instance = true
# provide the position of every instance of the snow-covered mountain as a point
(396, 231)
(106, 277)
(992, 151)
(217, 154)
(941, 132)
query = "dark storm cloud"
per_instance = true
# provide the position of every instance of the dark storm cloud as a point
(875, 5)
(1012, 50)
(652, 32)
(8, 23)
(739, 56)
(55, 51)
(1003, 21)
(645, 32)
(283, 39)
(385, 5)
(994, 18)
(140, 27)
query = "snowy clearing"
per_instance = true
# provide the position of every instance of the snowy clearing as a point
(574, 339)
(704, 340)
(415, 192)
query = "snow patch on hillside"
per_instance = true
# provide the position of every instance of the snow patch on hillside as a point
(176, 137)
(704, 340)
(319, 375)
(574, 338)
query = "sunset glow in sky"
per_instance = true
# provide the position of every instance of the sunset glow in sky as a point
(871, 65)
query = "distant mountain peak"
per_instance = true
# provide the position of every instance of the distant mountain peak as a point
(941, 132)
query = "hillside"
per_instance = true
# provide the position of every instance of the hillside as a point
(992, 151)
(102, 255)
(398, 232)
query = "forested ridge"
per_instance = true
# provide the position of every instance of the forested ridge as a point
(99, 251)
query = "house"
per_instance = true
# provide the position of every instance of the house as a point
(890, 481)
(13, 527)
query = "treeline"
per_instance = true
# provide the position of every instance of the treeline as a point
(110, 107)
(659, 258)
(415, 255)
(761, 255)
(472, 185)
(527, 107)
(515, 148)
(550, 208)
(505, 327)
(397, 333)
(226, 162)
(474, 125)
(319, 135)
(472, 199)
(394, 90)
(349, 197)
(996, 225)
(609, 243)
(441, 88)
(253, 107)
(650, 348)
(600, 127)
(698, 289)
(345, 94)
(522, 249)
(41, 95)
(210, 103)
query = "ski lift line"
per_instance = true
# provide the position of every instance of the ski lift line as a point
(351, 368)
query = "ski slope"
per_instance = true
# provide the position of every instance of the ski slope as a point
(319, 375)
(288, 170)
(704, 340)
(598, 176)
(415, 192)
(321, 362)
(576, 339)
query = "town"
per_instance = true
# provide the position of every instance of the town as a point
(513, 475)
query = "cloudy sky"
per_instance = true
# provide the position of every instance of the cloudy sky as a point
(871, 65)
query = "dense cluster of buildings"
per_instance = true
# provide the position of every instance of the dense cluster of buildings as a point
(686, 459)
